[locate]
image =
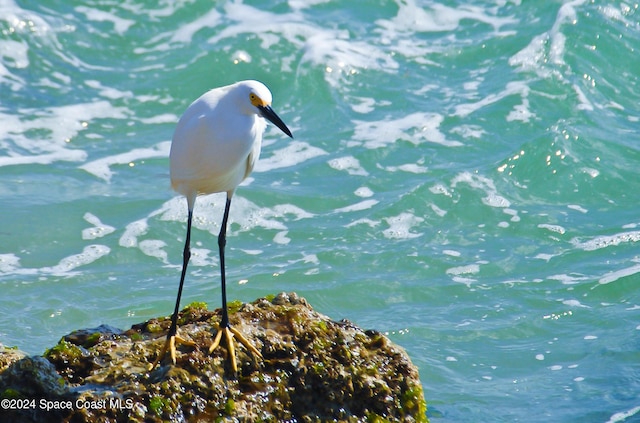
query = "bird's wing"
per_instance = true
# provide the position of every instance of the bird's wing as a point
(254, 154)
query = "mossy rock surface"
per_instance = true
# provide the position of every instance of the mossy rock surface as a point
(312, 369)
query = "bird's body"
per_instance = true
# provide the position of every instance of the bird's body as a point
(215, 146)
(216, 142)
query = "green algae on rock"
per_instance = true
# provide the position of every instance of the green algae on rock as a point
(313, 369)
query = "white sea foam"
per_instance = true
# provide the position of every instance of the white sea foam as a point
(298, 213)
(574, 303)
(61, 124)
(132, 232)
(364, 192)
(619, 274)
(517, 88)
(101, 168)
(98, 230)
(304, 4)
(252, 252)
(6, 78)
(622, 416)
(47, 158)
(244, 215)
(594, 173)
(88, 255)
(400, 226)
(202, 257)
(416, 128)
(154, 248)
(349, 164)
(185, 32)
(310, 258)
(339, 52)
(583, 101)
(400, 31)
(15, 53)
(440, 189)
(605, 241)
(544, 55)
(513, 213)
(630, 226)
(412, 17)
(108, 92)
(553, 228)
(241, 56)
(363, 104)
(282, 238)
(9, 263)
(174, 209)
(294, 153)
(262, 23)
(409, 168)
(613, 12)
(437, 210)
(492, 198)
(463, 280)
(522, 111)
(120, 25)
(568, 279)
(544, 256)
(362, 205)
(328, 47)
(577, 207)
(163, 118)
(533, 56)
(469, 131)
(364, 221)
(469, 269)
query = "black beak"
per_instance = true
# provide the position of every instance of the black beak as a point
(268, 113)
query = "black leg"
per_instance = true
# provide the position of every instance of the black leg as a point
(225, 328)
(222, 241)
(186, 255)
(172, 335)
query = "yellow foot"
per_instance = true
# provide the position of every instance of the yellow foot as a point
(170, 345)
(229, 333)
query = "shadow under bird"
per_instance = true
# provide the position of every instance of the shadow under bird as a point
(215, 146)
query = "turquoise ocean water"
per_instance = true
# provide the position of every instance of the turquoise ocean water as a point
(463, 177)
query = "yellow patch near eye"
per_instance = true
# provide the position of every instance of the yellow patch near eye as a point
(256, 101)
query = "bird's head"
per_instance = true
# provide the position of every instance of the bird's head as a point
(260, 99)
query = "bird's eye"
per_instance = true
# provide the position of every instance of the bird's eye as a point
(255, 100)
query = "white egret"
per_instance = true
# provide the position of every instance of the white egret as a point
(215, 146)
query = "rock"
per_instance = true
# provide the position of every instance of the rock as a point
(313, 370)
(8, 356)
